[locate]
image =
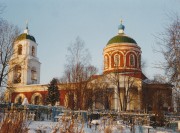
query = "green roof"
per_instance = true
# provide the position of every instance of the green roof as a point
(121, 38)
(25, 36)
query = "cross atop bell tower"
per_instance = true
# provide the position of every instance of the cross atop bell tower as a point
(26, 30)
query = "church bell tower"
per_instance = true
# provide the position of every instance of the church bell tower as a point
(24, 65)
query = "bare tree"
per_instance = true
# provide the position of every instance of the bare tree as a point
(8, 34)
(158, 78)
(169, 43)
(100, 93)
(78, 72)
(126, 88)
(131, 93)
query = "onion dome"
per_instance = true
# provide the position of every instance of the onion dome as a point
(25, 35)
(121, 37)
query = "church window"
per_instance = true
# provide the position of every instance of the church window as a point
(19, 101)
(116, 60)
(106, 62)
(17, 74)
(37, 100)
(132, 60)
(139, 61)
(20, 49)
(33, 51)
(33, 74)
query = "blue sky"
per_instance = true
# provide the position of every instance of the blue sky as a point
(57, 23)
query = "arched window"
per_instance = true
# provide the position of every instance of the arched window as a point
(139, 61)
(106, 62)
(33, 51)
(20, 49)
(132, 60)
(33, 75)
(36, 100)
(19, 98)
(19, 101)
(17, 74)
(116, 60)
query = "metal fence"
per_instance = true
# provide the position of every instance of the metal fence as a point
(33, 112)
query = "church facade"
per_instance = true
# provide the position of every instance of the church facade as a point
(122, 71)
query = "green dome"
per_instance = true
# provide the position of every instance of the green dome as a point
(121, 38)
(25, 36)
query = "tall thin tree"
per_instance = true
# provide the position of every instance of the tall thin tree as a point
(169, 42)
(8, 34)
(78, 72)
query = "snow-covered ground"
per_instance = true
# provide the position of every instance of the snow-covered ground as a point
(65, 122)
(48, 127)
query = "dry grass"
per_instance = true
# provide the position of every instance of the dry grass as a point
(66, 125)
(108, 130)
(13, 122)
